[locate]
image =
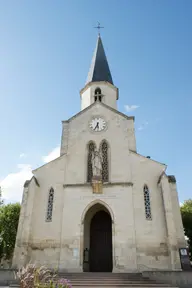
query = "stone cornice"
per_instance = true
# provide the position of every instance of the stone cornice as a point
(27, 182)
(99, 82)
(160, 177)
(108, 184)
(171, 178)
(147, 158)
(102, 104)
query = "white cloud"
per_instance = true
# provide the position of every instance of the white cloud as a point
(129, 108)
(23, 155)
(12, 184)
(52, 155)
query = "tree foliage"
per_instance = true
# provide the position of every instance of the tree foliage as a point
(186, 213)
(9, 218)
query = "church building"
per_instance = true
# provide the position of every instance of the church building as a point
(101, 206)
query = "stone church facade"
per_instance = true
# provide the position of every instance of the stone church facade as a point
(100, 206)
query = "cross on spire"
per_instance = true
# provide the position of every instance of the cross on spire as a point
(98, 27)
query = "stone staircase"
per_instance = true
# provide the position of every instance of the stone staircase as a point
(104, 280)
(92, 280)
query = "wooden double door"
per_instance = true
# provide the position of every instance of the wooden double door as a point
(101, 243)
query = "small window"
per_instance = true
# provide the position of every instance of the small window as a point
(100, 98)
(50, 205)
(147, 203)
(97, 91)
(95, 98)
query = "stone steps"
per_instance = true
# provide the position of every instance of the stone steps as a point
(99, 279)
(108, 280)
(113, 285)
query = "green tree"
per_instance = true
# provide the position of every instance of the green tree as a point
(186, 213)
(9, 218)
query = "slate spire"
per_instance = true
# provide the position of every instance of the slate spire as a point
(99, 69)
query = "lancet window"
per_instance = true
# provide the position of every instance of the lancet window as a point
(147, 203)
(105, 161)
(50, 205)
(91, 149)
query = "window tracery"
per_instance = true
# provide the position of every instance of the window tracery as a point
(147, 203)
(50, 205)
(91, 149)
(105, 168)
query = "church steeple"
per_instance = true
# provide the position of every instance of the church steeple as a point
(99, 85)
(99, 69)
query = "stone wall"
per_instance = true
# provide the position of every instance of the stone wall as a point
(182, 279)
(109, 92)
(138, 244)
(7, 277)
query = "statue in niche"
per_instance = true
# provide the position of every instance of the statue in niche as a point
(96, 160)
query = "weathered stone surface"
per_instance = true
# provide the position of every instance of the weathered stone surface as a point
(138, 244)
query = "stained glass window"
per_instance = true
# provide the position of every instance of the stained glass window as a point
(91, 148)
(105, 168)
(147, 203)
(50, 205)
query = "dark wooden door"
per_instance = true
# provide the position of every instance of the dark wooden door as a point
(101, 243)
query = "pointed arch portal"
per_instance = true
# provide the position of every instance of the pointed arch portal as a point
(98, 254)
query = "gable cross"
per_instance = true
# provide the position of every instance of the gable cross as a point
(98, 27)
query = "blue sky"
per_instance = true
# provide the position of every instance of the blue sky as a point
(45, 50)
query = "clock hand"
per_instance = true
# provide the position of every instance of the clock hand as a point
(97, 125)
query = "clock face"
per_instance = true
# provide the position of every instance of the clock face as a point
(97, 124)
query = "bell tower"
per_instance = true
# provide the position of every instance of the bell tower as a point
(99, 85)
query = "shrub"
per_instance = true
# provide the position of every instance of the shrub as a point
(64, 283)
(34, 277)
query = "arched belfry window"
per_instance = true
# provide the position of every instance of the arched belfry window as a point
(50, 205)
(97, 91)
(105, 161)
(91, 149)
(98, 94)
(147, 203)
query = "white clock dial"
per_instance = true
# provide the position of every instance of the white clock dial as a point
(97, 124)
